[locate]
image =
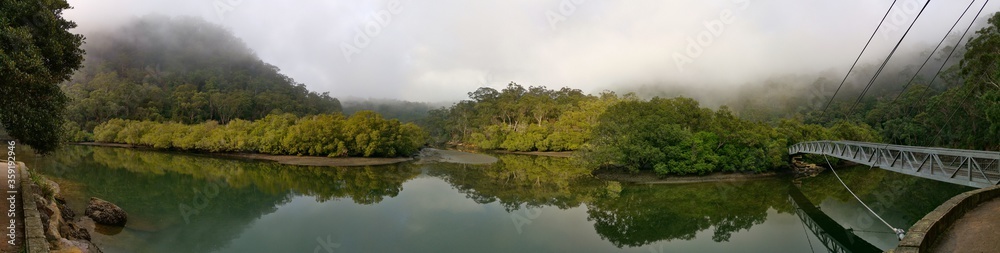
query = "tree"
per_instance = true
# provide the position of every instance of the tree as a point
(979, 64)
(37, 52)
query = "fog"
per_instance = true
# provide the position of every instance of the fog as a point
(438, 50)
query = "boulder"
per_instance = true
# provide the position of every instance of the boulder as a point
(106, 213)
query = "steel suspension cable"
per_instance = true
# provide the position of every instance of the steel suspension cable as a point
(964, 100)
(891, 53)
(935, 50)
(859, 57)
(899, 232)
(931, 55)
(967, 29)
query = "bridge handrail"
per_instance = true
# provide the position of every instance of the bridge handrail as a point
(973, 168)
(965, 151)
(929, 150)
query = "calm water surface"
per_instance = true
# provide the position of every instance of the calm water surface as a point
(190, 203)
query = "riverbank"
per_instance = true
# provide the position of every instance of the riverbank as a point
(49, 224)
(284, 159)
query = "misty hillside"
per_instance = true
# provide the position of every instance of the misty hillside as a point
(405, 111)
(785, 95)
(181, 69)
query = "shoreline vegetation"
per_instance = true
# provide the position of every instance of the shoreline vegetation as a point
(364, 134)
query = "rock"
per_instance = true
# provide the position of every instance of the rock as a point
(56, 191)
(67, 214)
(71, 231)
(53, 224)
(41, 204)
(59, 199)
(45, 221)
(106, 213)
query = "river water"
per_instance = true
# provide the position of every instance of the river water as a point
(181, 202)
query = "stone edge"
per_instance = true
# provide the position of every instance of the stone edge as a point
(35, 237)
(922, 236)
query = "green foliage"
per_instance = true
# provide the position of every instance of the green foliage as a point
(844, 130)
(108, 131)
(183, 70)
(531, 138)
(364, 134)
(521, 119)
(677, 136)
(73, 133)
(47, 191)
(37, 52)
(368, 134)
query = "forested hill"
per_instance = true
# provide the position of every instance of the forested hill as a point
(184, 70)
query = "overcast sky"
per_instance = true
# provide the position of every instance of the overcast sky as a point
(438, 50)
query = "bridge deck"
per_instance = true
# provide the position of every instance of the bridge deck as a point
(973, 168)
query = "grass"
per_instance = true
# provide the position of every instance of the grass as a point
(47, 191)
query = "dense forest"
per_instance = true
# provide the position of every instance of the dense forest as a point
(183, 70)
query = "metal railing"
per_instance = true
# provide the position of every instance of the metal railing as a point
(973, 168)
